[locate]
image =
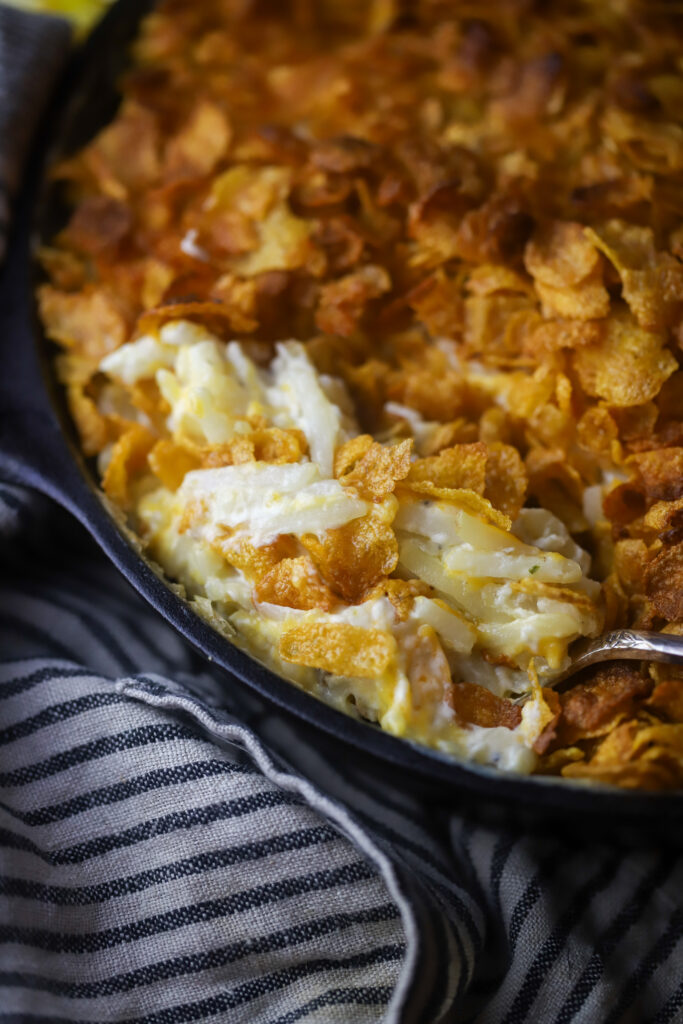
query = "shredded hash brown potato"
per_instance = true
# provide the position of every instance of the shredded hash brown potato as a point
(469, 217)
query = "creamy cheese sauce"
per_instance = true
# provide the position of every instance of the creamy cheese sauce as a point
(502, 600)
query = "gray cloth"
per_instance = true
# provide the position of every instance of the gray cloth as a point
(32, 53)
(170, 851)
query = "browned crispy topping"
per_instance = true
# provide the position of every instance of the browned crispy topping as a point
(469, 213)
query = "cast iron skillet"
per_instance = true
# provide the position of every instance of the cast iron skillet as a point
(40, 449)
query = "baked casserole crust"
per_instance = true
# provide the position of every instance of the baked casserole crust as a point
(372, 315)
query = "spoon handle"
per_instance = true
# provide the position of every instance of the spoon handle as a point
(624, 644)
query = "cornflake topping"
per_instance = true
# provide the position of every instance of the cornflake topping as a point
(473, 452)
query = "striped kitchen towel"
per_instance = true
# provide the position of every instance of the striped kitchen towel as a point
(165, 856)
(159, 864)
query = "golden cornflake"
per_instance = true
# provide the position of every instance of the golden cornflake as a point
(170, 462)
(463, 465)
(628, 366)
(128, 457)
(294, 582)
(355, 557)
(377, 471)
(339, 648)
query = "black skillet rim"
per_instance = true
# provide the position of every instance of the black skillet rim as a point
(82, 495)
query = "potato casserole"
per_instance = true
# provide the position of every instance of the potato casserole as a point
(371, 313)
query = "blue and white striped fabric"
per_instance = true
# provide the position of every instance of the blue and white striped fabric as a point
(164, 858)
(159, 865)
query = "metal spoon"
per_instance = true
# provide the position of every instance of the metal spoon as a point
(620, 645)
